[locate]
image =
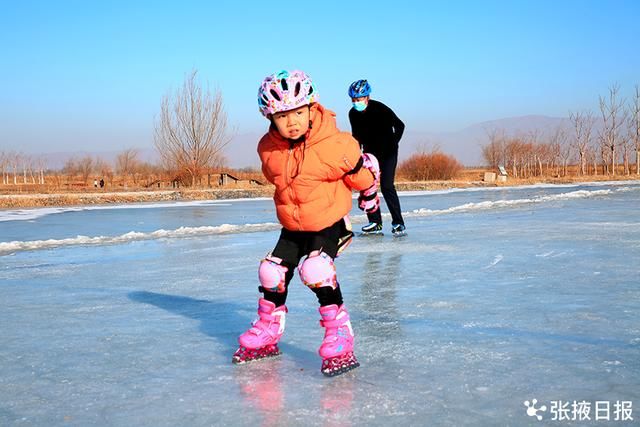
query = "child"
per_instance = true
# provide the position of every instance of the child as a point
(314, 167)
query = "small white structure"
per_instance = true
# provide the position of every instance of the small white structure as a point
(502, 175)
(489, 177)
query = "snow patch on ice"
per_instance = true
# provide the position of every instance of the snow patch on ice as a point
(17, 246)
(495, 261)
(545, 255)
(628, 186)
(503, 204)
(440, 305)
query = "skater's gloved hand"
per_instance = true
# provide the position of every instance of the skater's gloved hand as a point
(369, 201)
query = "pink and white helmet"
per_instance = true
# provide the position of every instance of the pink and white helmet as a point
(284, 91)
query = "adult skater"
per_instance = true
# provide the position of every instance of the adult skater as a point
(314, 167)
(378, 130)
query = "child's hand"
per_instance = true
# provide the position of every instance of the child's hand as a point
(370, 162)
(369, 201)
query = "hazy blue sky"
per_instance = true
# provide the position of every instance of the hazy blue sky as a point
(78, 73)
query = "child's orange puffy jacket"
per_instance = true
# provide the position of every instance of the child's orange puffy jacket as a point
(312, 179)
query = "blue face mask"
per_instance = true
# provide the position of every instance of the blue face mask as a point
(359, 105)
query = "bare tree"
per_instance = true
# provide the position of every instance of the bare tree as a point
(24, 159)
(108, 173)
(4, 163)
(15, 159)
(192, 129)
(85, 167)
(626, 146)
(126, 163)
(515, 155)
(634, 126)
(605, 154)
(70, 169)
(566, 151)
(536, 153)
(557, 147)
(41, 164)
(101, 167)
(493, 153)
(583, 127)
(27, 169)
(613, 117)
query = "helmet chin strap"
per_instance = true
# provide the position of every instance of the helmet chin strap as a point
(306, 135)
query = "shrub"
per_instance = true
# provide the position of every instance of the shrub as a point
(429, 166)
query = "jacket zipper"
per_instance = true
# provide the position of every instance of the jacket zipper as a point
(290, 186)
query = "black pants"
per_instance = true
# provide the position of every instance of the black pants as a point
(293, 245)
(387, 177)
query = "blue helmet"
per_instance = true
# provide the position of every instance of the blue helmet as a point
(359, 88)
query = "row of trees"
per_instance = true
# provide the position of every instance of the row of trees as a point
(597, 144)
(127, 166)
(20, 169)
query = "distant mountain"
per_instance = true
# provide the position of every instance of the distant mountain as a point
(466, 145)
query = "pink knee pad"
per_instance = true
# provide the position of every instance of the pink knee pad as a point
(318, 270)
(272, 274)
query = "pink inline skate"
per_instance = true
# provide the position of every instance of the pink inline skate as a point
(261, 340)
(337, 347)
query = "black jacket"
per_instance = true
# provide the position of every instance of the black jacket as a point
(377, 129)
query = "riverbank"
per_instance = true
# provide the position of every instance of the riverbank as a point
(120, 197)
(33, 200)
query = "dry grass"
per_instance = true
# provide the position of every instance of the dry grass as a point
(429, 166)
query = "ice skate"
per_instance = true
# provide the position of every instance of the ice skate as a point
(261, 340)
(372, 229)
(398, 230)
(337, 347)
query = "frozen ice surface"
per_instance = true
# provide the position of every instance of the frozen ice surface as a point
(496, 297)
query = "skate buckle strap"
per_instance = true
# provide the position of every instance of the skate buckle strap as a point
(267, 317)
(333, 323)
(264, 318)
(255, 330)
